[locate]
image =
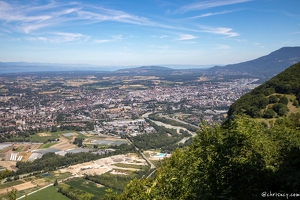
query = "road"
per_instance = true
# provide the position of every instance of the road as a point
(167, 117)
(143, 155)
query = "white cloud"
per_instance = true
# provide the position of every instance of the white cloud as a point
(28, 18)
(212, 14)
(186, 37)
(160, 36)
(31, 27)
(44, 39)
(68, 37)
(102, 41)
(59, 37)
(113, 39)
(220, 31)
(10, 13)
(202, 5)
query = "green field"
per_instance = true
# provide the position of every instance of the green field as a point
(47, 145)
(20, 149)
(42, 139)
(51, 177)
(49, 193)
(87, 186)
(53, 135)
(81, 136)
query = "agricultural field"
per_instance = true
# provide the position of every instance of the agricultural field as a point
(115, 164)
(62, 141)
(102, 141)
(33, 183)
(49, 193)
(87, 186)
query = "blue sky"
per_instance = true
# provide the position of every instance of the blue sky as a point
(148, 32)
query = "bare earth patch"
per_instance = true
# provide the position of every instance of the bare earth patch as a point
(104, 165)
(10, 165)
(44, 134)
(24, 186)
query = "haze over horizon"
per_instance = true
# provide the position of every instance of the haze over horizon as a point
(156, 32)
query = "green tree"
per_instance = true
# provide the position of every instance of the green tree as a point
(78, 141)
(12, 195)
(282, 111)
(55, 183)
(263, 103)
(273, 99)
(270, 113)
(283, 100)
(296, 103)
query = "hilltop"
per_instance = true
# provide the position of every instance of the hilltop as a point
(280, 96)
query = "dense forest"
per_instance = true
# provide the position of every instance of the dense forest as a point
(269, 99)
(243, 159)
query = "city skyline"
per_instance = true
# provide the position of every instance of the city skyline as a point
(156, 32)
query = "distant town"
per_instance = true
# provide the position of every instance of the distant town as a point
(109, 104)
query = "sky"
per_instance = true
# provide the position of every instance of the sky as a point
(146, 32)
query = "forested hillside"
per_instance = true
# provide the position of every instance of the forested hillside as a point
(275, 98)
(241, 160)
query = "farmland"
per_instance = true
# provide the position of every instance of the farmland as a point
(48, 193)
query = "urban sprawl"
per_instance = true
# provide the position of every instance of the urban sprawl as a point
(34, 104)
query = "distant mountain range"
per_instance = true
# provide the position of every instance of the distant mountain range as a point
(262, 67)
(19, 67)
(265, 66)
(146, 70)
